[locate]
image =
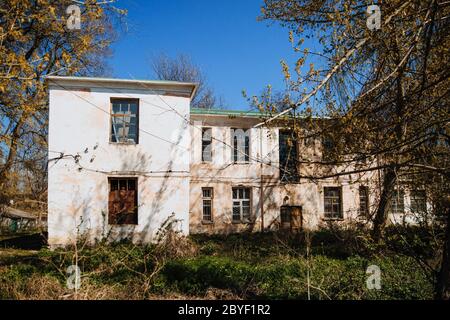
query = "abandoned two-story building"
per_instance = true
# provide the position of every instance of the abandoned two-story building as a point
(125, 155)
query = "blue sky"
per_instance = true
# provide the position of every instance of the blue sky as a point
(234, 50)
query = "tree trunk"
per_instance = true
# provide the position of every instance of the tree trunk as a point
(12, 155)
(381, 216)
(442, 291)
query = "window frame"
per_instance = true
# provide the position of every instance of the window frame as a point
(112, 115)
(245, 152)
(285, 175)
(412, 199)
(396, 197)
(366, 212)
(327, 216)
(135, 202)
(211, 199)
(204, 129)
(241, 200)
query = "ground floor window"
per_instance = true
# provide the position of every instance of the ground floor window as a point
(332, 203)
(122, 202)
(364, 201)
(241, 204)
(418, 201)
(397, 202)
(207, 194)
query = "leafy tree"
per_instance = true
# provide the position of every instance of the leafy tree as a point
(385, 92)
(35, 42)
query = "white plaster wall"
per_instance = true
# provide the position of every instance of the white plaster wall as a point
(78, 198)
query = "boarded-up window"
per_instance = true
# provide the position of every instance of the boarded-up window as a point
(124, 121)
(122, 204)
(364, 201)
(207, 194)
(206, 144)
(241, 204)
(241, 145)
(332, 203)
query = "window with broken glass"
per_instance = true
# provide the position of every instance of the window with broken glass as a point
(288, 152)
(206, 144)
(241, 145)
(241, 204)
(207, 204)
(124, 121)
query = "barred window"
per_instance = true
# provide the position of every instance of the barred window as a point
(206, 144)
(207, 194)
(124, 121)
(241, 204)
(123, 201)
(332, 203)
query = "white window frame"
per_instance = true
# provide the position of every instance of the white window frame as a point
(239, 201)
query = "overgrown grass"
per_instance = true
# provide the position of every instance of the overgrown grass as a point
(249, 266)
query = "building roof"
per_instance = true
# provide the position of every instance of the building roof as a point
(181, 88)
(230, 113)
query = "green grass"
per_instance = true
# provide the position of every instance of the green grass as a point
(255, 266)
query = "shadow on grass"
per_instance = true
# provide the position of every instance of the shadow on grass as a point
(34, 241)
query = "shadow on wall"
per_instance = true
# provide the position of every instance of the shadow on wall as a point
(90, 207)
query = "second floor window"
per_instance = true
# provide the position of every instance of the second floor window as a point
(206, 144)
(332, 203)
(124, 121)
(288, 157)
(241, 145)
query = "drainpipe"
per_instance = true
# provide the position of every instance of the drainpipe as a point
(261, 195)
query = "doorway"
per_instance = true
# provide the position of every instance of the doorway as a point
(291, 218)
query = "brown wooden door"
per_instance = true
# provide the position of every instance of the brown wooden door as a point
(296, 218)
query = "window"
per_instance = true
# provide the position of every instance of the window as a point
(332, 203)
(241, 145)
(418, 201)
(328, 148)
(124, 121)
(241, 204)
(364, 201)
(122, 202)
(285, 215)
(397, 202)
(288, 157)
(207, 204)
(206, 144)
